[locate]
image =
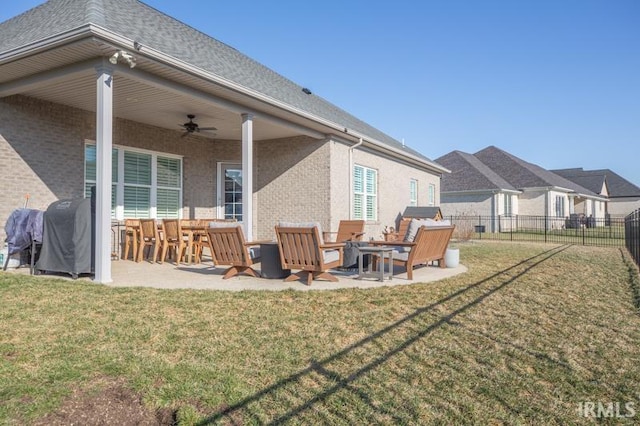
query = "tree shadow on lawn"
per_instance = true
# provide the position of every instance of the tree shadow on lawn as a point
(295, 385)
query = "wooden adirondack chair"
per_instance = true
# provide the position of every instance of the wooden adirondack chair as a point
(301, 248)
(429, 244)
(229, 248)
(348, 230)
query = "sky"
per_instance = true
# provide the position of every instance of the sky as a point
(554, 82)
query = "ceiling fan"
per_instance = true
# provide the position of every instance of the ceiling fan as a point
(191, 127)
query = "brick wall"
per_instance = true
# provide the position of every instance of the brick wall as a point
(292, 178)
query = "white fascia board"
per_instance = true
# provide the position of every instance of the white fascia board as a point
(482, 191)
(590, 197)
(537, 188)
(44, 44)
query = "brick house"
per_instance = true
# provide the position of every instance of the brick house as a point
(91, 97)
(494, 183)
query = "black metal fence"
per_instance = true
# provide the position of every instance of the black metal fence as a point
(550, 229)
(632, 235)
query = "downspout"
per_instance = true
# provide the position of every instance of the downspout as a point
(351, 148)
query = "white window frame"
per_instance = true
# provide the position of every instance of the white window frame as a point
(508, 204)
(368, 197)
(431, 195)
(560, 206)
(119, 180)
(413, 192)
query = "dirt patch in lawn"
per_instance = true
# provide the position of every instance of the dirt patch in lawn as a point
(107, 403)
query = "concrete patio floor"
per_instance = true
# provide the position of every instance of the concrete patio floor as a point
(204, 276)
(126, 273)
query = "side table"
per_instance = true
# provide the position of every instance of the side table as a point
(270, 264)
(381, 252)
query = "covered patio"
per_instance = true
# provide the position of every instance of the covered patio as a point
(153, 113)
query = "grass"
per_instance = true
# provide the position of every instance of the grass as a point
(524, 337)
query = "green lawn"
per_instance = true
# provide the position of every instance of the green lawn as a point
(526, 336)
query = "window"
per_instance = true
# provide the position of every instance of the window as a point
(431, 195)
(508, 209)
(413, 192)
(137, 185)
(90, 174)
(145, 183)
(559, 206)
(365, 193)
(169, 172)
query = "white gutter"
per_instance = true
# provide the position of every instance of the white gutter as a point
(482, 191)
(351, 148)
(46, 44)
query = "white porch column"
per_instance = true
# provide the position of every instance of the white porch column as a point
(247, 175)
(104, 144)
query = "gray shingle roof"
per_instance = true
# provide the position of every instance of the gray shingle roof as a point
(152, 28)
(469, 174)
(616, 184)
(591, 181)
(522, 174)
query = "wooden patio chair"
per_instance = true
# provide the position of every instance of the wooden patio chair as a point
(172, 238)
(429, 244)
(228, 247)
(131, 227)
(201, 239)
(302, 248)
(348, 230)
(147, 237)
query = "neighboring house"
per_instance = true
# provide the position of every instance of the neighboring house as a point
(97, 93)
(472, 188)
(494, 183)
(624, 196)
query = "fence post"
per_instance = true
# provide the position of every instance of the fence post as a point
(632, 235)
(546, 224)
(583, 228)
(511, 228)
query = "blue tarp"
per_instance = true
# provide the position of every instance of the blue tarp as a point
(23, 227)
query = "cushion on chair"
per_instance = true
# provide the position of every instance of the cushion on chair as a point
(223, 224)
(400, 255)
(285, 224)
(415, 224)
(330, 255)
(413, 227)
(437, 223)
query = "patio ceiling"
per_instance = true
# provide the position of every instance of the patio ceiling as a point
(151, 93)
